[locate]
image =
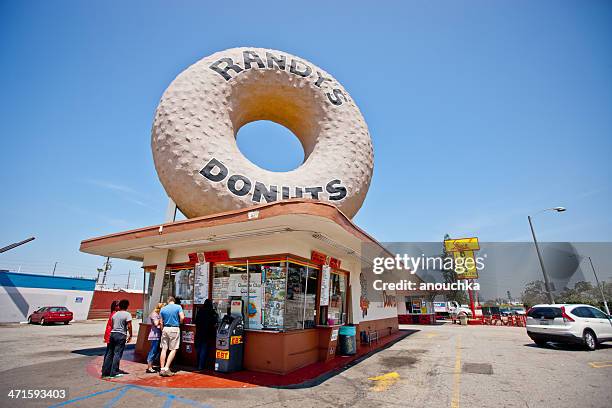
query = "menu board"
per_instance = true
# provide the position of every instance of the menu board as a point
(200, 289)
(273, 278)
(325, 277)
(220, 288)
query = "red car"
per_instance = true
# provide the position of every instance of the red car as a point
(51, 314)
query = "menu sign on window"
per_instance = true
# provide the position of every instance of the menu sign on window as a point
(200, 289)
(325, 277)
(274, 295)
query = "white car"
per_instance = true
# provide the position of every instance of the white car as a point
(580, 324)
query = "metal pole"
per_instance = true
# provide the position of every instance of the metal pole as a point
(16, 244)
(546, 282)
(127, 286)
(600, 288)
(145, 303)
(471, 295)
(54, 266)
(106, 268)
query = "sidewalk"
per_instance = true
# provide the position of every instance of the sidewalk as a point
(304, 377)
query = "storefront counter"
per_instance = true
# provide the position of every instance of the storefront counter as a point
(277, 352)
(186, 355)
(280, 352)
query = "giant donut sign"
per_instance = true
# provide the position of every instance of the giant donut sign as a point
(194, 134)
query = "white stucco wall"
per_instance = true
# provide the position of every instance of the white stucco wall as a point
(34, 298)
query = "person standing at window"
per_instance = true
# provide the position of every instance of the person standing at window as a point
(171, 317)
(121, 334)
(206, 331)
(154, 337)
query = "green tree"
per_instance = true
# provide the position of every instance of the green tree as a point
(534, 294)
(582, 292)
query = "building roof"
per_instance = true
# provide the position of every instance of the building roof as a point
(295, 215)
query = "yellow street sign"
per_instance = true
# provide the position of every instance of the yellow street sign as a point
(461, 244)
(465, 265)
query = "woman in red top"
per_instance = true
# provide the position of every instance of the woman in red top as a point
(109, 323)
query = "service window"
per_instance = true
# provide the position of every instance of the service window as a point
(229, 280)
(179, 284)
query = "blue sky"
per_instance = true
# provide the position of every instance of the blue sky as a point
(481, 112)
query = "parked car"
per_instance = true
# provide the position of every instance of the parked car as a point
(579, 324)
(512, 311)
(51, 314)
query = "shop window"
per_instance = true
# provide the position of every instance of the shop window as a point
(229, 282)
(418, 305)
(179, 284)
(274, 281)
(312, 286)
(294, 304)
(302, 285)
(336, 311)
(281, 295)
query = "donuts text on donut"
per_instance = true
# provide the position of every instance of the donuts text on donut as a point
(250, 59)
(240, 185)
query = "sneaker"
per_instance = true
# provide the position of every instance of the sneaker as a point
(150, 371)
(116, 375)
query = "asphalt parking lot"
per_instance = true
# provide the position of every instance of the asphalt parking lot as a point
(446, 365)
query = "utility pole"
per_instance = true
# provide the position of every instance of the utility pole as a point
(127, 286)
(54, 267)
(107, 267)
(551, 300)
(600, 288)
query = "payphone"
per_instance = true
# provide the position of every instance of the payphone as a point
(230, 340)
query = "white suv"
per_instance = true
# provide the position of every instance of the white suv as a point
(582, 324)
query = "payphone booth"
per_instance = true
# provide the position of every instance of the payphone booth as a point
(230, 340)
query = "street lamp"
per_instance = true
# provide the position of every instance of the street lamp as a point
(535, 241)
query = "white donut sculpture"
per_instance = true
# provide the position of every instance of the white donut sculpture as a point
(194, 134)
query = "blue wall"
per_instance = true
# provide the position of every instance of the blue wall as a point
(24, 280)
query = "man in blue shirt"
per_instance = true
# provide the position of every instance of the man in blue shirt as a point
(171, 317)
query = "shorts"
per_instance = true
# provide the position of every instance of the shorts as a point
(170, 338)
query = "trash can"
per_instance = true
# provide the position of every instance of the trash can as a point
(463, 319)
(347, 343)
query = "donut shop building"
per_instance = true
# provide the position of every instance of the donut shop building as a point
(274, 257)
(279, 244)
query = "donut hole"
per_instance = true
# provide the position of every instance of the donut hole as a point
(283, 150)
(280, 97)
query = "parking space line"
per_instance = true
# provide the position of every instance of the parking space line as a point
(84, 397)
(457, 375)
(383, 382)
(600, 364)
(122, 391)
(111, 403)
